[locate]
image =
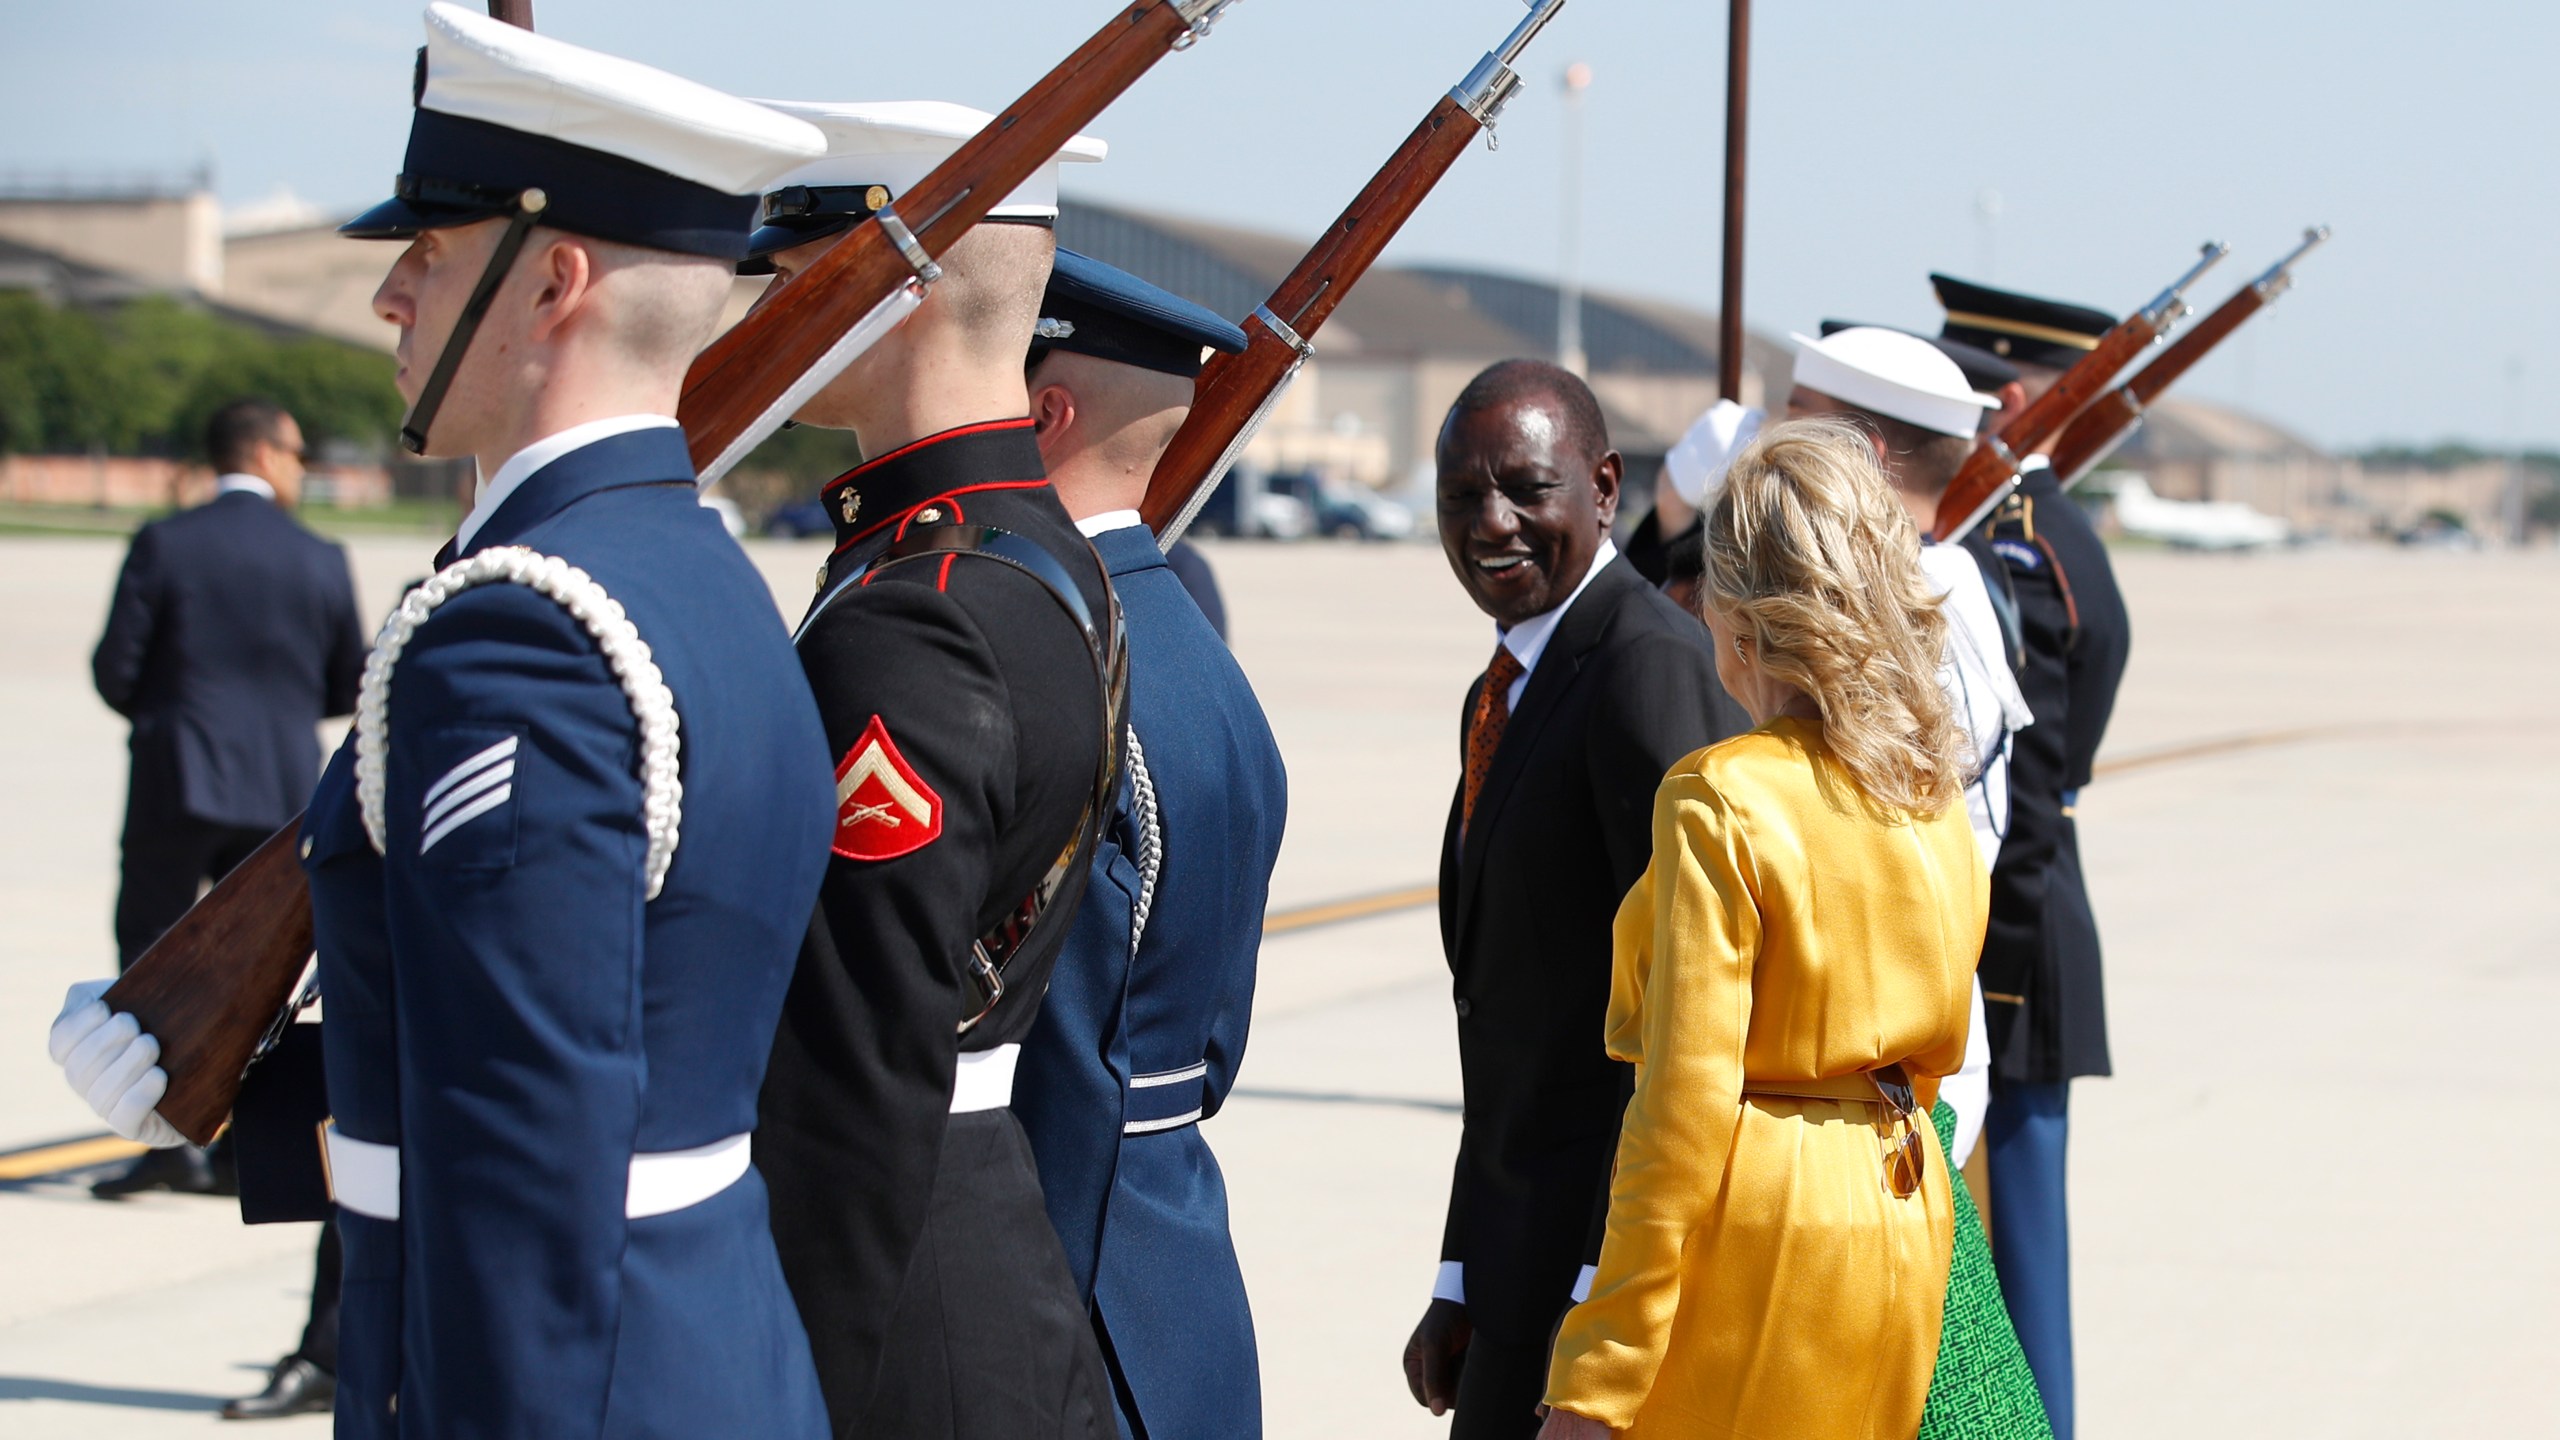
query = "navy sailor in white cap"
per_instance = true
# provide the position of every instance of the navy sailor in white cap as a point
(1144, 1028)
(560, 870)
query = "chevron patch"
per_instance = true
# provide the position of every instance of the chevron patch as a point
(883, 807)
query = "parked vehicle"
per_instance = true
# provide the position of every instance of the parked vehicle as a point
(1343, 510)
(1245, 507)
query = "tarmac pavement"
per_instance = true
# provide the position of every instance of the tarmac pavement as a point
(2309, 1202)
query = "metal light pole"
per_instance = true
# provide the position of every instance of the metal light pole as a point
(1569, 351)
(1737, 106)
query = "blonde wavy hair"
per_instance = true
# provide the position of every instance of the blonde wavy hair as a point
(1810, 555)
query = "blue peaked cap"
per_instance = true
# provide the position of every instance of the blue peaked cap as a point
(1106, 312)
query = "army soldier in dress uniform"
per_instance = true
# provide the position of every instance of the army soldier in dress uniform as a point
(1144, 1026)
(963, 648)
(559, 871)
(2040, 969)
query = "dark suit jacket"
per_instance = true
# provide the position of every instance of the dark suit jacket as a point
(233, 634)
(1625, 688)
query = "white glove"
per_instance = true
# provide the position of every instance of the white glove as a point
(112, 1065)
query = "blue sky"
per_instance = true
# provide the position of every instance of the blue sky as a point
(2116, 136)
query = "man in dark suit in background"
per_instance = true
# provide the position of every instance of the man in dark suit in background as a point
(1598, 684)
(233, 635)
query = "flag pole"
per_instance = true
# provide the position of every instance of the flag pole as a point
(1737, 105)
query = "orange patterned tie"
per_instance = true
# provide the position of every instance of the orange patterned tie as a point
(1484, 727)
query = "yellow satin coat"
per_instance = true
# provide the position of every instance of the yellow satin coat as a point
(1758, 1277)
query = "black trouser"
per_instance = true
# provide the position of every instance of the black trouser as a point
(988, 1340)
(167, 858)
(1499, 1391)
(320, 1332)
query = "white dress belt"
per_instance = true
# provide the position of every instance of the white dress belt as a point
(365, 1177)
(984, 1080)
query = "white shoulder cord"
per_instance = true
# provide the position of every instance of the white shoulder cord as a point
(1142, 808)
(652, 703)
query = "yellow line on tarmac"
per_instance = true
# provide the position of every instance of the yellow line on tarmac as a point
(67, 1155)
(1359, 907)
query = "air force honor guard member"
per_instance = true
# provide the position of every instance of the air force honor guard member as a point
(2040, 963)
(963, 647)
(1144, 1026)
(559, 870)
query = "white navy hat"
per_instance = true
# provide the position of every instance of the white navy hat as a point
(1697, 464)
(620, 151)
(1894, 374)
(879, 150)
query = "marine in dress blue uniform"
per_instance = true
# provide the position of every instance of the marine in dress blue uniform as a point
(560, 871)
(963, 650)
(2040, 958)
(1144, 1028)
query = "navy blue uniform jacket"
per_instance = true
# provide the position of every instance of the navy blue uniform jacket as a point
(1131, 1051)
(233, 633)
(508, 1011)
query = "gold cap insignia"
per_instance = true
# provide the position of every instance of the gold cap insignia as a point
(875, 197)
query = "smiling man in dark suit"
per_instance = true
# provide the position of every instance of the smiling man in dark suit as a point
(1597, 684)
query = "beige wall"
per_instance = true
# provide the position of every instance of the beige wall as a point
(175, 241)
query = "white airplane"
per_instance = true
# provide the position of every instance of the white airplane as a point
(2194, 524)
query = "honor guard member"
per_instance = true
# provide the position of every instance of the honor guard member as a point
(964, 651)
(1144, 1026)
(2040, 964)
(559, 870)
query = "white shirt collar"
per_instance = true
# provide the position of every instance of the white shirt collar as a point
(1093, 525)
(495, 489)
(240, 480)
(1528, 640)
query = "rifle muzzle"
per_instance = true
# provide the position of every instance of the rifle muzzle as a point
(2279, 276)
(1493, 82)
(2168, 307)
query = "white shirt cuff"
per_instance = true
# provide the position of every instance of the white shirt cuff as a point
(1452, 1283)
(1582, 1283)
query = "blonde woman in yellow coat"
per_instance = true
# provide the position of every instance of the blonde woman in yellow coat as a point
(1793, 976)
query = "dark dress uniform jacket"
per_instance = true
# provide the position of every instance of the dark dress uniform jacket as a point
(1133, 1050)
(233, 633)
(1625, 687)
(937, 1300)
(507, 1009)
(2041, 980)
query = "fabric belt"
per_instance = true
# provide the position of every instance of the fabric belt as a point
(1166, 1099)
(984, 1080)
(365, 1177)
(1856, 1089)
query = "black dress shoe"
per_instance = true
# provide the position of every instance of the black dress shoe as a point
(294, 1387)
(184, 1169)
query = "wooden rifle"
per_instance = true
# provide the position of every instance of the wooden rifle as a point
(1235, 393)
(215, 987)
(2107, 424)
(1992, 470)
(812, 326)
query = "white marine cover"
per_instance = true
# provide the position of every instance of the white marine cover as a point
(898, 142)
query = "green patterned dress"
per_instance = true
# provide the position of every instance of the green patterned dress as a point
(1982, 1389)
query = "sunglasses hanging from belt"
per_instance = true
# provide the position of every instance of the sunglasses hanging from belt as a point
(526, 212)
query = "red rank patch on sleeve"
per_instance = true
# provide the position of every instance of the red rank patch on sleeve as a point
(883, 807)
